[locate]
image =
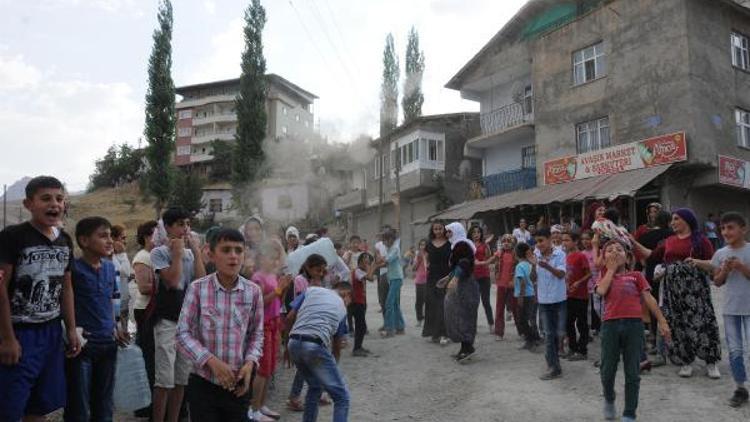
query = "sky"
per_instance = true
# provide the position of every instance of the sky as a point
(73, 73)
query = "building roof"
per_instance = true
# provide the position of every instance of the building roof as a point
(270, 78)
(419, 121)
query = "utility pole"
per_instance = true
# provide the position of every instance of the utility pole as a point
(397, 195)
(5, 205)
(380, 165)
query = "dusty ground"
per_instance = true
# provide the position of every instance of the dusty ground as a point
(414, 380)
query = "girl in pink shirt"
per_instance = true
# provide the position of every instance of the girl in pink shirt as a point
(420, 279)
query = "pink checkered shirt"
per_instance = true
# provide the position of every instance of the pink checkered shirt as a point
(227, 324)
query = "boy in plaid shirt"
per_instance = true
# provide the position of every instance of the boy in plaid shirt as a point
(222, 302)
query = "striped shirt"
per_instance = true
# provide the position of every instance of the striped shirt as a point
(227, 324)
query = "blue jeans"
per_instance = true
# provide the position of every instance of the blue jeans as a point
(736, 327)
(394, 319)
(297, 385)
(91, 381)
(553, 316)
(318, 366)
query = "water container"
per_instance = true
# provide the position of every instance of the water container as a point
(131, 390)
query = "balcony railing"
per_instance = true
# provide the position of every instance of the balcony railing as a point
(510, 181)
(504, 117)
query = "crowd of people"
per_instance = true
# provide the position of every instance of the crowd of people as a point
(215, 314)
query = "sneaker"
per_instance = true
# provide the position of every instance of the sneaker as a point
(386, 334)
(658, 361)
(575, 357)
(295, 405)
(257, 416)
(609, 410)
(739, 397)
(686, 371)
(444, 341)
(713, 371)
(270, 413)
(464, 357)
(552, 374)
(359, 353)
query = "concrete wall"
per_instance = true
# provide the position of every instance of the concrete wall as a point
(646, 91)
(717, 87)
(300, 202)
(504, 157)
(503, 94)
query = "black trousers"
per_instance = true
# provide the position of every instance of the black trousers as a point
(360, 323)
(383, 286)
(420, 303)
(144, 338)
(596, 321)
(484, 293)
(578, 318)
(210, 403)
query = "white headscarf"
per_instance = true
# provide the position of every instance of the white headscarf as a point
(292, 231)
(458, 235)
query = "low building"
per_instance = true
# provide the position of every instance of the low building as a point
(428, 154)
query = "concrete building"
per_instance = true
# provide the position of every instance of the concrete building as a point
(565, 79)
(207, 112)
(433, 174)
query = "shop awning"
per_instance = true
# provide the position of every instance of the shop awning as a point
(609, 186)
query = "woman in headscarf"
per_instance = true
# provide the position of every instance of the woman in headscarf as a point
(462, 297)
(438, 255)
(686, 294)
(595, 210)
(292, 239)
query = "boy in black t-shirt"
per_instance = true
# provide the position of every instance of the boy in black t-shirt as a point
(35, 291)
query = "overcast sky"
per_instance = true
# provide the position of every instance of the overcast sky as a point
(73, 72)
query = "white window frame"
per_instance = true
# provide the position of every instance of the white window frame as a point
(215, 205)
(379, 166)
(742, 118)
(528, 157)
(592, 55)
(183, 150)
(597, 135)
(740, 45)
(185, 114)
(185, 132)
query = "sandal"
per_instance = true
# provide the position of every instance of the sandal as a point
(295, 405)
(324, 401)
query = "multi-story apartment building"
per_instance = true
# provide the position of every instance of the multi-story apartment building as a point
(207, 112)
(568, 83)
(433, 173)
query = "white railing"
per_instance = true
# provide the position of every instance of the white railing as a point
(502, 118)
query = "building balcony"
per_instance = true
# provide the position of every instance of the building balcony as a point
(197, 102)
(505, 118)
(350, 201)
(215, 118)
(202, 139)
(200, 158)
(417, 182)
(510, 181)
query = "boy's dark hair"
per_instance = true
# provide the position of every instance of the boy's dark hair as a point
(355, 237)
(342, 285)
(42, 182)
(543, 232)
(337, 245)
(389, 234)
(573, 236)
(662, 219)
(521, 250)
(144, 231)
(173, 215)
(87, 226)
(225, 234)
(733, 217)
(363, 256)
(612, 215)
(313, 260)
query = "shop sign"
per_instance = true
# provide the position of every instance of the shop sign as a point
(734, 172)
(661, 150)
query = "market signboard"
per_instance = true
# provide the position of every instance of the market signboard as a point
(734, 172)
(661, 150)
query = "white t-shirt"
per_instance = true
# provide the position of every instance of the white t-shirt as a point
(522, 236)
(383, 251)
(141, 300)
(737, 296)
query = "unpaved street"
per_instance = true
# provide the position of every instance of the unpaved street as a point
(414, 380)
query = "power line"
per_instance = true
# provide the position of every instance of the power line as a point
(338, 32)
(310, 37)
(317, 16)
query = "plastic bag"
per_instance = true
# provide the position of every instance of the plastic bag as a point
(323, 247)
(131, 382)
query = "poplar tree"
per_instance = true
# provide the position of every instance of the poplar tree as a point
(160, 111)
(389, 88)
(413, 98)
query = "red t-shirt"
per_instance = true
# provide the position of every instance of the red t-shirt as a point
(359, 290)
(675, 249)
(505, 268)
(481, 254)
(577, 265)
(624, 296)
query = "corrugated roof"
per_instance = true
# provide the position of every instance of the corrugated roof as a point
(602, 187)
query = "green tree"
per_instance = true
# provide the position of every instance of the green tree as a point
(160, 111)
(413, 98)
(221, 166)
(248, 156)
(119, 165)
(187, 192)
(389, 88)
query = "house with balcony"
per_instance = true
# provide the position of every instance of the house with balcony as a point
(415, 171)
(576, 82)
